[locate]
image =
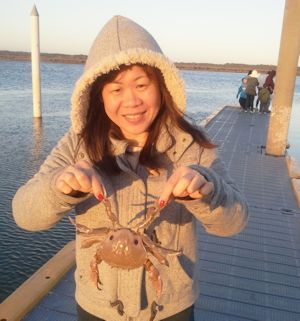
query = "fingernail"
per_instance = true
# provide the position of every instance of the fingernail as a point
(100, 197)
(162, 203)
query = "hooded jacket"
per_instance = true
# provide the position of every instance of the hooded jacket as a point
(269, 82)
(251, 85)
(122, 41)
(128, 294)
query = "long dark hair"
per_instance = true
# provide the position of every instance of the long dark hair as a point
(99, 128)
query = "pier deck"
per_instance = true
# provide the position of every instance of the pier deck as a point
(253, 276)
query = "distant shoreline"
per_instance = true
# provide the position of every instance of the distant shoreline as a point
(80, 59)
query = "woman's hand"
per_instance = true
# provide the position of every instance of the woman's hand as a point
(81, 177)
(185, 182)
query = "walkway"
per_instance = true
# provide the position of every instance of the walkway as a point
(253, 276)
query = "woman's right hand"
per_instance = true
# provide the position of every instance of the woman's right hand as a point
(80, 177)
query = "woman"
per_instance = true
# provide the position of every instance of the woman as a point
(131, 147)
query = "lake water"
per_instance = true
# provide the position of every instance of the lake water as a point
(25, 143)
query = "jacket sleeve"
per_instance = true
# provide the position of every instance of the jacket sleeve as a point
(38, 205)
(224, 213)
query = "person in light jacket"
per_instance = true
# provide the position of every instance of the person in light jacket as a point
(130, 148)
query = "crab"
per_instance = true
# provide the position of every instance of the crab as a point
(125, 248)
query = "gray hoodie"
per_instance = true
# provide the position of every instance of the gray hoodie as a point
(39, 205)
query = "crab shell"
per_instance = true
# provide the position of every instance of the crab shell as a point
(125, 248)
(122, 248)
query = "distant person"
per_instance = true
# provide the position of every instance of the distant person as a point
(264, 99)
(131, 154)
(261, 80)
(241, 94)
(270, 85)
(269, 82)
(251, 86)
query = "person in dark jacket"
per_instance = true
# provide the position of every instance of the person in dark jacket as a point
(270, 86)
(252, 83)
(269, 82)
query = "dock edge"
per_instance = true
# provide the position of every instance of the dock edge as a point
(25, 297)
(294, 174)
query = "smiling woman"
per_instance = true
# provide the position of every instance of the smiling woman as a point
(131, 148)
(132, 101)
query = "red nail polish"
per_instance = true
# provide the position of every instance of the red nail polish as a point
(162, 203)
(100, 197)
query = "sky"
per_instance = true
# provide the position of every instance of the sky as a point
(203, 31)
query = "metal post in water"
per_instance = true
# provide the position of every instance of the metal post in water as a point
(35, 63)
(285, 80)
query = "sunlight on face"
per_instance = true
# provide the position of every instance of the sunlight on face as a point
(132, 101)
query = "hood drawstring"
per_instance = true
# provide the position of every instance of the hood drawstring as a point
(120, 306)
(154, 308)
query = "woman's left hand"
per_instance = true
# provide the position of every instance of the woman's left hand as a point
(185, 182)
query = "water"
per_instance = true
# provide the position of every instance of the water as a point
(294, 129)
(25, 143)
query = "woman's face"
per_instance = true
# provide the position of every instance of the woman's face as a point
(132, 101)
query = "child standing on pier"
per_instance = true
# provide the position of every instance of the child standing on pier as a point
(131, 145)
(241, 94)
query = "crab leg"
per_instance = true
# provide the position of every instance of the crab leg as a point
(94, 270)
(99, 233)
(110, 214)
(91, 241)
(80, 228)
(152, 213)
(158, 251)
(154, 277)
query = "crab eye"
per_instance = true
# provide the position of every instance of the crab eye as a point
(111, 237)
(136, 242)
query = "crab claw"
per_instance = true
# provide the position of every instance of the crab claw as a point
(154, 277)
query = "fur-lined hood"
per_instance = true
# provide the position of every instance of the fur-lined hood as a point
(122, 41)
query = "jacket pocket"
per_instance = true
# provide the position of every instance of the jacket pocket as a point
(174, 277)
